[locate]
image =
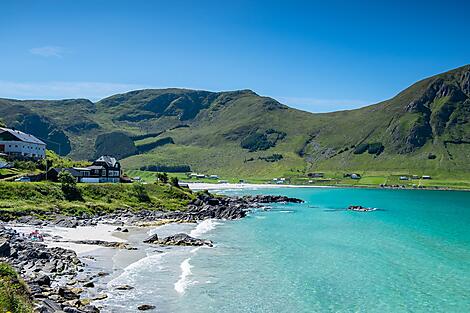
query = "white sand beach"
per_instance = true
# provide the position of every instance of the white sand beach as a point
(99, 232)
(225, 186)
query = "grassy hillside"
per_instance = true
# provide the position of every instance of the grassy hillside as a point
(425, 129)
(14, 294)
(44, 199)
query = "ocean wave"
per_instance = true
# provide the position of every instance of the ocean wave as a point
(131, 274)
(203, 227)
(184, 282)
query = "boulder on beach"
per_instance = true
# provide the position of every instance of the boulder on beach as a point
(152, 239)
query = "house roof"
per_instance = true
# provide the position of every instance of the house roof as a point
(95, 167)
(22, 136)
(71, 170)
(109, 160)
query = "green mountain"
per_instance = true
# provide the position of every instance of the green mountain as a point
(239, 133)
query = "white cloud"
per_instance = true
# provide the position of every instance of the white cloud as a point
(63, 90)
(323, 105)
(48, 51)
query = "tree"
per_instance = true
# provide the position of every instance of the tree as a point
(174, 181)
(69, 186)
(162, 177)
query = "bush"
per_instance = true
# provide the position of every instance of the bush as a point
(174, 181)
(141, 193)
(162, 177)
(360, 149)
(69, 186)
(372, 148)
(272, 158)
(375, 148)
(25, 165)
(431, 156)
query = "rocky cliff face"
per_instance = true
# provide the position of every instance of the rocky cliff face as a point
(440, 109)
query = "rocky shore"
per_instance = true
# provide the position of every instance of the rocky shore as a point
(57, 277)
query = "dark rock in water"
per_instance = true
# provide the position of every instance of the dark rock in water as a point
(152, 239)
(145, 307)
(230, 208)
(5, 249)
(359, 208)
(182, 240)
(89, 284)
(123, 287)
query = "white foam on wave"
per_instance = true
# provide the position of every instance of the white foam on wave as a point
(203, 227)
(184, 282)
(132, 273)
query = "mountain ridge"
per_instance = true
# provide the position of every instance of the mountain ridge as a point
(425, 126)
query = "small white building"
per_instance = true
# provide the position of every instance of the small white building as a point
(16, 143)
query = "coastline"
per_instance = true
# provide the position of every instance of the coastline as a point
(80, 263)
(196, 186)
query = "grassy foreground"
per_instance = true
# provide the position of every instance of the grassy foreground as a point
(42, 199)
(14, 295)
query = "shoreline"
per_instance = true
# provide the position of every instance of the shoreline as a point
(234, 186)
(71, 263)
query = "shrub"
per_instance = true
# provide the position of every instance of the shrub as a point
(431, 156)
(162, 177)
(69, 186)
(25, 165)
(141, 193)
(375, 148)
(174, 181)
(360, 149)
(272, 158)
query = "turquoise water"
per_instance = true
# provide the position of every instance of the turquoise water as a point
(411, 256)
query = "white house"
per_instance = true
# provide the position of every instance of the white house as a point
(16, 143)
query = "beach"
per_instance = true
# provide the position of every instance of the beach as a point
(283, 256)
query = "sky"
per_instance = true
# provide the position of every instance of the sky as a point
(317, 56)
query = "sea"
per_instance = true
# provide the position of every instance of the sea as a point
(410, 255)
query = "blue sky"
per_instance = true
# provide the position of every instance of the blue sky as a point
(314, 55)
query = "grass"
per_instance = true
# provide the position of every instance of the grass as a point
(14, 294)
(43, 199)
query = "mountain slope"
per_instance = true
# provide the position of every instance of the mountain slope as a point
(239, 133)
